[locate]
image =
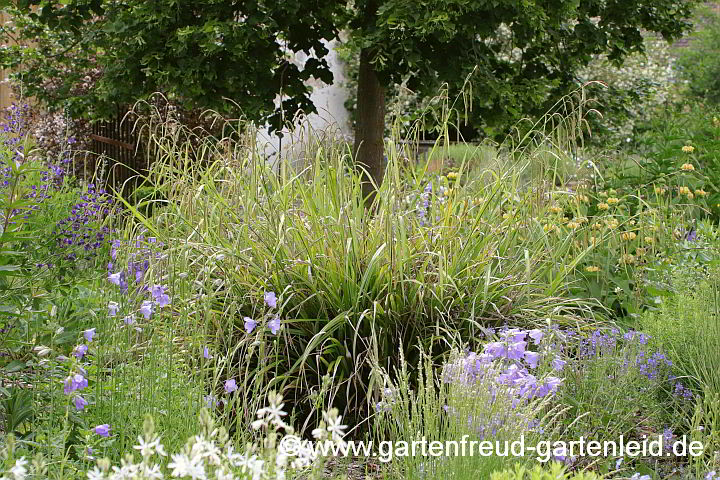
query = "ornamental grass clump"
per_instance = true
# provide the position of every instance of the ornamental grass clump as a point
(351, 283)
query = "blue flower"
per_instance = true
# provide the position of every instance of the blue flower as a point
(75, 382)
(230, 385)
(250, 324)
(537, 335)
(514, 335)
(102, 430)
(532, 358)
(550, 385)
(270, 299)
(159, 295)
(89, 334)
(112, 309)
(516, 350)
(80, 351)
(115, 278)
(80, 402)
(558, 364)
(68, 385)
(274, 324)
(146, 309)
(162, 300)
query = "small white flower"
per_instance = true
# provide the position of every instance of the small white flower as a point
(257, 469)
(231, 456)
(206, 449)
(272, 413)
(335, 427)
(153, 472)
(319, 433)
(223, 474)
(252, 465)
(182, 466)
(148, 449)
(18, 470)
(96, 474)
(281, 460)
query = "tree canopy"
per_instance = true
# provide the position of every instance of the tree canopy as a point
(204, 52)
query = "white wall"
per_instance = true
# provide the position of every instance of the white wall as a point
(332, 117)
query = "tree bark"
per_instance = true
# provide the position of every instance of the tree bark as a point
(369, 128)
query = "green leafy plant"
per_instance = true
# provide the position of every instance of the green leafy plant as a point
(554, 471)
(705, 428)
(697, 63)
(687, 327)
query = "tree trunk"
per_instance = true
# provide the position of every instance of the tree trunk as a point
(370, 128)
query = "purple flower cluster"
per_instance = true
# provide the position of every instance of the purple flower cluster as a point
(599, 343)
(668, 437)
(423, 205)
(633, 347)
(274, 323)
(158, 299)
(14, 129)
(389, 398)
(652, 366)
(81, 229)
(509, 373)
(151, 298)
(77, 381)
(12, 133)
(145, 251)
(506, 362)
(682, 392)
